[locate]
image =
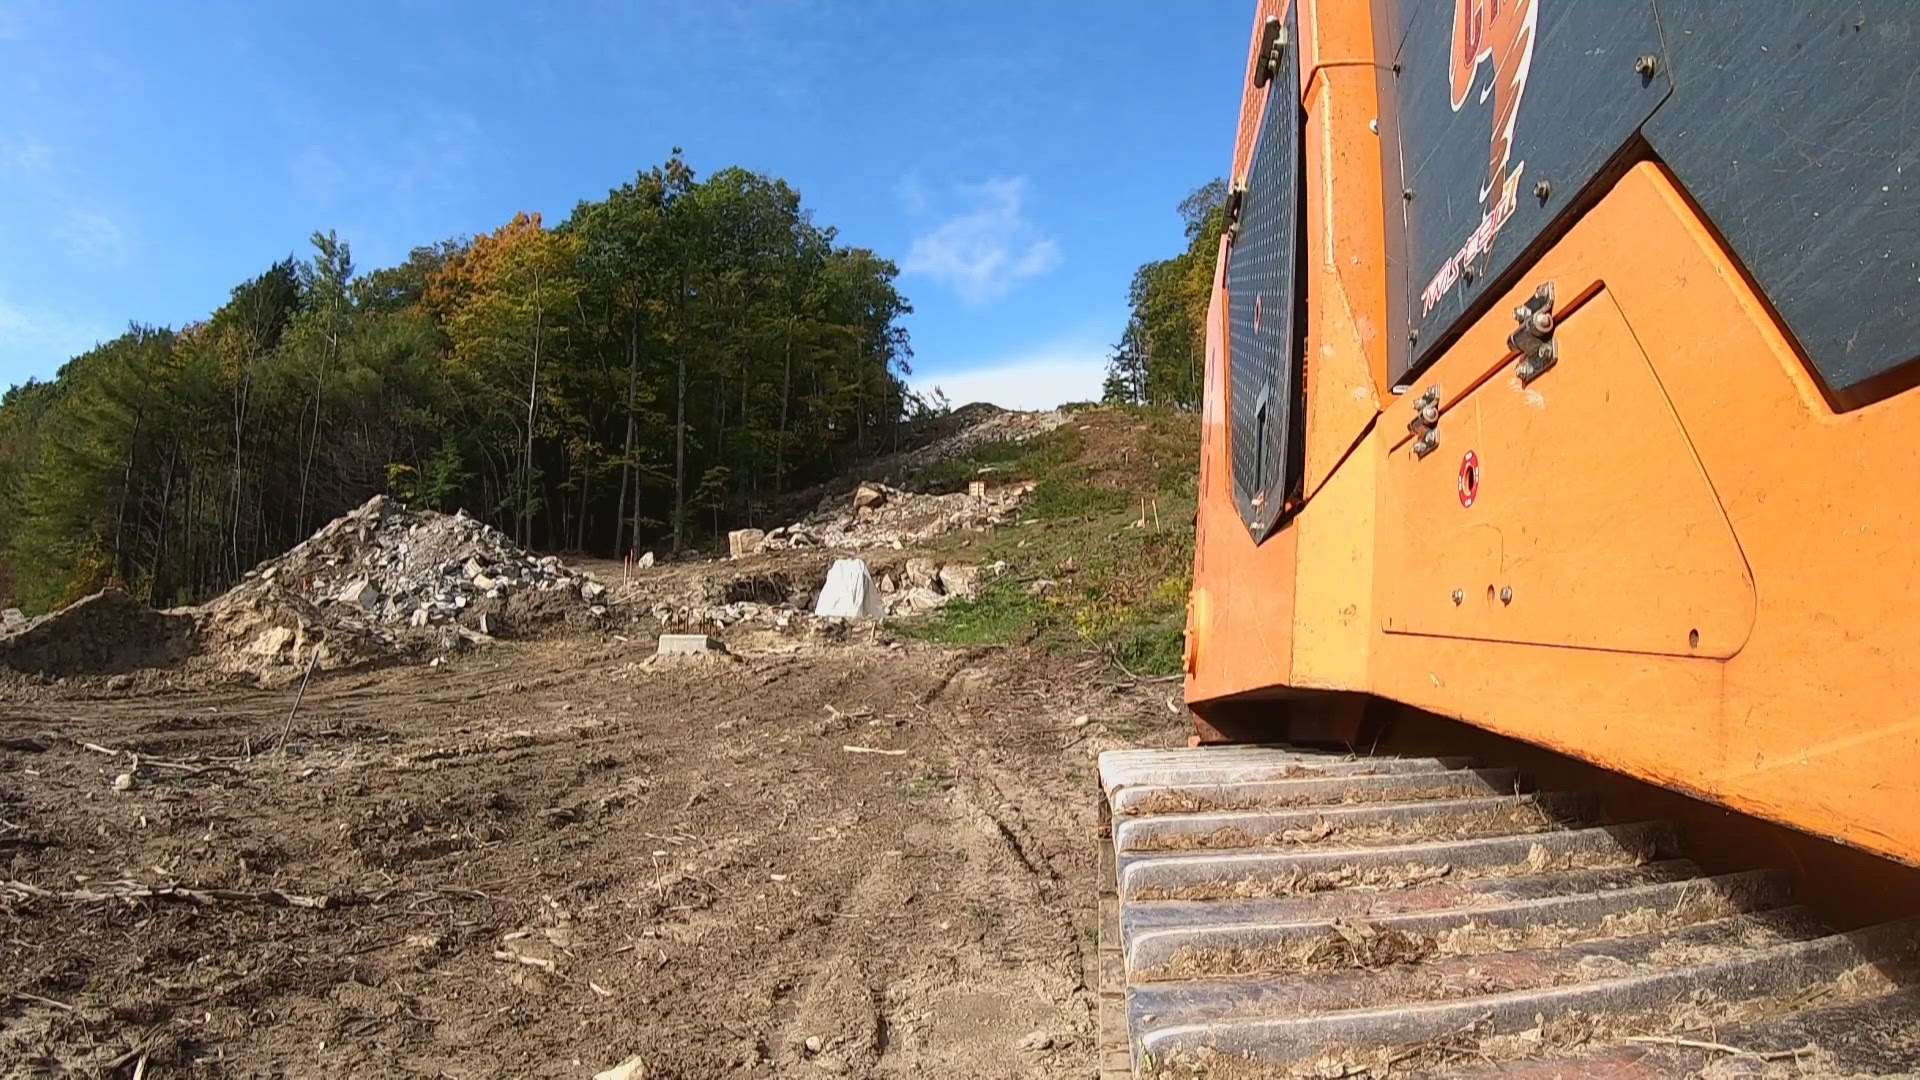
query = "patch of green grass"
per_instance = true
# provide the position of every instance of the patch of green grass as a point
(998, 616)
(1110, 524)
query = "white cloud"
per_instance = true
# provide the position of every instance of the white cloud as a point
(90, 234)
(1041, 379)
(984, 252)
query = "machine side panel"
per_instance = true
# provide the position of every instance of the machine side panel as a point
(1795, 125)
(1493, 100)
(1263, 283)
(1568, 511)
(1811, 722)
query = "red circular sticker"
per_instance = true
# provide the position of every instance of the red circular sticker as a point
(1469, 478)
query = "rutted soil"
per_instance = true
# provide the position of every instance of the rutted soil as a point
(545, 859)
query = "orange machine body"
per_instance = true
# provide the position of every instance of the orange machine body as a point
(1697, 573)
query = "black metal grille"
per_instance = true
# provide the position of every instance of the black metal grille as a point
(1262, 284)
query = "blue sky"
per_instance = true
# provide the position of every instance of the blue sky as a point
(1017, 159)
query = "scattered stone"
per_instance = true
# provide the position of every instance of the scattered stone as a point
(120, 682)
(688, 645)
(360, 593)
(1041, 586)
(814, 1043)
(1082, 720)
(915, 601)
(592, 591)
(880, 516)
(634, 1068)
(645, 561)
(1037, 1040)
(12, 617)
(743, 542)
(123, 782)
(922, 573)
(959, 580)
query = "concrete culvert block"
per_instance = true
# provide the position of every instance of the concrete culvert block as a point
(741, 542)
(689, 645)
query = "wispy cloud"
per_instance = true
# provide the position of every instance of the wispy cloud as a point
(93, 235)
(912, 193)
(29, 339)
(1041, 377)
(25, 158)
(983, 252)
(33, 174)
(317, 174)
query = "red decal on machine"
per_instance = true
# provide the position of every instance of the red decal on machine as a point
(1469, 478)
(1499, 31)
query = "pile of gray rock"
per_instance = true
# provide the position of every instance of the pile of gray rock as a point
(384, 581)
(393, 565)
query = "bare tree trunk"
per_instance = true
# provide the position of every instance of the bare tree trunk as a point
(580, 525)
(313, 440)
(680, 419)
(243, 392)
(121, 563)
(786, 401)
(533, 387)
(626, 455)
(163, 531)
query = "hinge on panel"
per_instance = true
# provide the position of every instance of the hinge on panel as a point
(1425, 425)
(1273, 48)
(1236, 195)
(1533, 339)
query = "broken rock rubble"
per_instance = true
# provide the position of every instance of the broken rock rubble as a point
(379, 582)
(417, 567)
(878, 516)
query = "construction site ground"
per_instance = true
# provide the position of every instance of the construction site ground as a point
(545, 859)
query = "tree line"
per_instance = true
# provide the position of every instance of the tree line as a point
(656, 367)
(1160, 358)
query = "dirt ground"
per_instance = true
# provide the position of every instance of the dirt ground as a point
(544, 859)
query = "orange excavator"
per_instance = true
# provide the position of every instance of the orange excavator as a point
(1552, 637)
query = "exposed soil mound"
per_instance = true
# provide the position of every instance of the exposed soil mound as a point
(106, 633)
(974, 426)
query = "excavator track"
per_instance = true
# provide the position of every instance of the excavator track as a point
(1279, 911)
